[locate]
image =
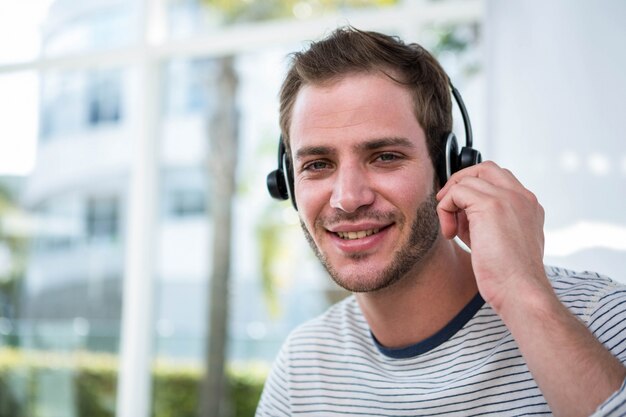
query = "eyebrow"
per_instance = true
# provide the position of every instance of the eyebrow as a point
(368, 145)
(374, 144)
(313, 151)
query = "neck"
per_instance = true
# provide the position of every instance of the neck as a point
(424, 301)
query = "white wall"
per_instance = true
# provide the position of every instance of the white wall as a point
(556, 81)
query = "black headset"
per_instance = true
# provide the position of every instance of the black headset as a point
(280, 181)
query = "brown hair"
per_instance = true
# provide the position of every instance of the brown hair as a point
(349, 50)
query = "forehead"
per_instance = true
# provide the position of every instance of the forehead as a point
(355, 107)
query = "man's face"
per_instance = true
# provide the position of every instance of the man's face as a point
(363, 180)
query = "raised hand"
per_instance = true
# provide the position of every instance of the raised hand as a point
(502, 222)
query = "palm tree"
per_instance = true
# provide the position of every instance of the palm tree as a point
(222, 163)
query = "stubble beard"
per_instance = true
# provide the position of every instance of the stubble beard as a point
(415, 249)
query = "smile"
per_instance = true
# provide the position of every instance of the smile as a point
(357, 235)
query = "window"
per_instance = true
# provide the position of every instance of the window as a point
(184, 192)
(104, 97)
(187, 202)
(189, 84)
(102, 218)
(73, 101)
(62, 98)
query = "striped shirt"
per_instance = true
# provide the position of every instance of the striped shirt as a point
(332, 365)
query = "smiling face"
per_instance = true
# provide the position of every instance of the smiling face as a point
(363, 180)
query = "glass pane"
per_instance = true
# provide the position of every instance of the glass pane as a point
(74, 101)
(62, 239)
(17, 147)
(21, 20)
(192, 17)
(59, 27)
(556, 121)
(18, 132)
(72, 26)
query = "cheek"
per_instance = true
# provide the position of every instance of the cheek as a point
(310, 204)
(406, 192)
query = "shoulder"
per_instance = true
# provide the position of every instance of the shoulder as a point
(583, 287)
(312, 345)
(597, 300)
(341, 323)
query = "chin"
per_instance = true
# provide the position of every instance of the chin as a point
(360, 281)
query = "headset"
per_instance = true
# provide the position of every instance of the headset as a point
(280, 181)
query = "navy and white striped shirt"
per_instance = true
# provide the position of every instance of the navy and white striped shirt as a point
(332, 365)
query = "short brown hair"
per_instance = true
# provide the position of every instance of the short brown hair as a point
(349, 50)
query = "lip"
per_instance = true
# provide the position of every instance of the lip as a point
(355, 227)
(364, 244)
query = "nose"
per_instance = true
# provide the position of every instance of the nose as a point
(351, 190)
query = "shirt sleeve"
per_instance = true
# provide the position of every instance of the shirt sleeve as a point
(274, 400)
(607, 320)
(615, 406)
(608, 323)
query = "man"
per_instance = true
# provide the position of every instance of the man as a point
(431, 329)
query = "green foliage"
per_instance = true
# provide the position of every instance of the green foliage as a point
(96, 392)
(233, 11)
(14, 246)
(245, 385)
(458, 40)
(94, 379)
(175, 394)
(269, 233)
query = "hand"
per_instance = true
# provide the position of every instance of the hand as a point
(502, 223)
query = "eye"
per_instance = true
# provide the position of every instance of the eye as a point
(314, 166)
(387, 157)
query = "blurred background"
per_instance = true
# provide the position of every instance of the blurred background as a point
(145, 271)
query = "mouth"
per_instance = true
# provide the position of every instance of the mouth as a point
(357, 234)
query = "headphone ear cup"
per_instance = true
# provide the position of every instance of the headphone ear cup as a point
(276, 185)
(449, 164)
(455, 161)
(469, 157)
(288, 181)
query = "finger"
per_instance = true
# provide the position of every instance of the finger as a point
(448, 222)
(463, 196)
(478, 185)
(463, 228)
(488, 171)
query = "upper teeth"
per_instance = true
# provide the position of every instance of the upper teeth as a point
(357, 235)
